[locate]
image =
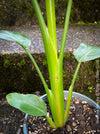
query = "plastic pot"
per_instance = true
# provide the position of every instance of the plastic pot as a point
(74, 95)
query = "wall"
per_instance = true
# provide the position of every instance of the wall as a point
(17, 74)
(21, 12)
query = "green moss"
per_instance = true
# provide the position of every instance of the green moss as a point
(81, 23)
(7, 61)
(66, 55)
(90, 89)
(87, 23)
(18, 74)
(22, 63)
(61, 23)
(44, 62)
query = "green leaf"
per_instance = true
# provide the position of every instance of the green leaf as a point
(21, 39)
(86, 52)
(30, 104)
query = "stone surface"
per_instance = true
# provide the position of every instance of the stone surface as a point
(76, 35)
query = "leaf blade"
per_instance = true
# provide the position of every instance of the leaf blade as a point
(21, 39)
(30, 104)
(86, 52)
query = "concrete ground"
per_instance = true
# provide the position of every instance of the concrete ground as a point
(76, 35)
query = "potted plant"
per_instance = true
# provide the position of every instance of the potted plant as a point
(32, 104)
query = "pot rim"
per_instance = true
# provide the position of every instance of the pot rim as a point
(74, 95)
(78, 96)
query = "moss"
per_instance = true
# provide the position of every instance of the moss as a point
(23, 12)
(90, 89)
(7, 61)
(66, 55)
(44, 62)
(22, 63)
(18, 74)
(87, 23)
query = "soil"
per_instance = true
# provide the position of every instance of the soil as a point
(11, 119)
(83, 119)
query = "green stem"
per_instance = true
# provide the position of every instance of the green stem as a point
(52, 124)
(50, 10)
(65, 32)
(48, 92)
(60, 91)
(40, 19)
(70, 93)
(38, 70)
(50, 49)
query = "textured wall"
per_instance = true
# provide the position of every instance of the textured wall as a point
(20, 12)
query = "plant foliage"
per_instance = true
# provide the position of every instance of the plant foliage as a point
(32, 104)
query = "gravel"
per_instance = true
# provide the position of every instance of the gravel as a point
(76, 35)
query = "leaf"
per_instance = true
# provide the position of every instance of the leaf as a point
(86, 52)
(30, 104)
(21, 39)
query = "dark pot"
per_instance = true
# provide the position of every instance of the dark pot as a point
(75, 95)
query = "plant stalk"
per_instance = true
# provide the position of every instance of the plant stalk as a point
(51, 21)
(38, 70)
(57, 107)
(65, 31)
(70, 93)
(50, 48)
